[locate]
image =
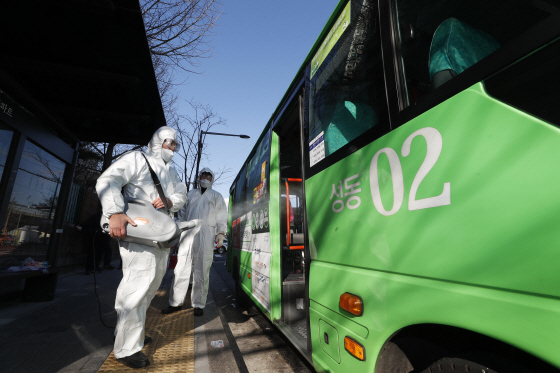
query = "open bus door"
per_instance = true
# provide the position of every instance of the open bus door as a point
(293, 229)
(293, 256)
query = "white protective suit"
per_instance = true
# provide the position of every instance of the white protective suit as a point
(197, 245)
(143, 266)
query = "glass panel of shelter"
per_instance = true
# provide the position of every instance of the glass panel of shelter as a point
(33, 202)
(6, 136)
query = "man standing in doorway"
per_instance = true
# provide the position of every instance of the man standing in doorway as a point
(143, 266)
(208, 209)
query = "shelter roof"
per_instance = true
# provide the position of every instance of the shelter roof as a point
(82, 67)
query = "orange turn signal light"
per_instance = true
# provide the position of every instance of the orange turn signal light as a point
(352, 303)
(248, 275)
(354, 348)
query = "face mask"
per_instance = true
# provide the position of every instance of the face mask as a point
(166, 155)
(205, 183)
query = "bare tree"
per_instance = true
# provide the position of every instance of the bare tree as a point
(111, 151)
(179, 31)
(203, 118)
(89, 166)
(179, 34)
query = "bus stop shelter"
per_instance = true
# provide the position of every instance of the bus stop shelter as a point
(71, 71)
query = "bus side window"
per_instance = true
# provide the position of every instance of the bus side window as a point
(257, 172)
(456, 47)
(438, 40)
(239, 200)
(347, 91)
(349, 120)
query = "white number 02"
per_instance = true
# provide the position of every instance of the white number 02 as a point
(434, 143)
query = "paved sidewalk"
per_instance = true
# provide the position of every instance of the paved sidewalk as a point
(66, 335)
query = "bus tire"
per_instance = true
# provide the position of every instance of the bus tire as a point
(455, 365)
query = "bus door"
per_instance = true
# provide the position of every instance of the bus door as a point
(293, 257)
(293, 228)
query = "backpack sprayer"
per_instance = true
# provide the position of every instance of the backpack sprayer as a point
(154, 228)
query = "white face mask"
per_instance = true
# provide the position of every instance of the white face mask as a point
(205, 183)
(166, 155)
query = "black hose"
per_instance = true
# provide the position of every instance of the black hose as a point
(95, 283)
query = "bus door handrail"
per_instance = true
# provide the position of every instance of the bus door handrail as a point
(288, 214)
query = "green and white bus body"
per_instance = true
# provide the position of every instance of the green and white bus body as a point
(413, 163)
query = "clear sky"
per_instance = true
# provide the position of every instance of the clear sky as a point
(258, 49)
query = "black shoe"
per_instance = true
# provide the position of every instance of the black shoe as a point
(137, 360)
(108, 266)
(170, 309)
(198, 311)
(98, 270)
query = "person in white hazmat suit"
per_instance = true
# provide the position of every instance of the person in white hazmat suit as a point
(143, 266)
(208, 209)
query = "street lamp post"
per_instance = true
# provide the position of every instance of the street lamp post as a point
(200, 149)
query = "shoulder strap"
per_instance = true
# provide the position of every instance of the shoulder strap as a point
(157, 183)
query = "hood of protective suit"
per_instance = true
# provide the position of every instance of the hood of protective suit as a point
(155, 144)
(207, 184)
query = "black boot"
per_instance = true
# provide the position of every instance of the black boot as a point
(137, 360)
(198, 311)
(170, 309)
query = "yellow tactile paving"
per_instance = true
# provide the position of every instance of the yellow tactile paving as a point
(173, 347)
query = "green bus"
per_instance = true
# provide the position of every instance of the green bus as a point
(399, 211)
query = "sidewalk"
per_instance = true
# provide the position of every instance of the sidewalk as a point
(66, 335)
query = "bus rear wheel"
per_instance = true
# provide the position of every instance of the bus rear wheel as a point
(454, 365)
